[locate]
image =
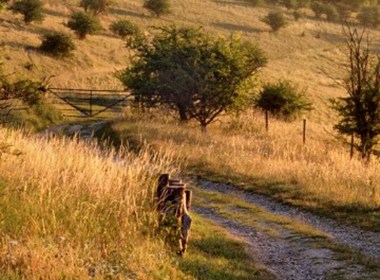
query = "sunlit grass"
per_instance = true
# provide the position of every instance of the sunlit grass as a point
(318, 175)
(66, 208)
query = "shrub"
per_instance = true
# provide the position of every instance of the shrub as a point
(331, 12)
(295, 4)
(318, 8)
(30, 9)
(158, 7)
(369, 16)
(96, 6)
(282, 99)
(57, 44)
(83, 24)
(297, 15)
(275, 20)
(124, 28)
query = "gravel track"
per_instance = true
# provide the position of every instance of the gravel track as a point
(293, 256)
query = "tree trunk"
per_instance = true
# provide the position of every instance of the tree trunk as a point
(182, 113)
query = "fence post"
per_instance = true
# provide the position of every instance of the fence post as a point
(304, 132)
(352, 146)
(267, 120)
(91, 103)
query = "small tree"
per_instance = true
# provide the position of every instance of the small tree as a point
(57, 44)
(30, 9)
(124, 28)
(158, 7)
(282, 99)
(28, 91)
(276, 20)
(83, 24)
(189, 72)
(359, 111)
(96, 6)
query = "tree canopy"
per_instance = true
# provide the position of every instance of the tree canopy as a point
(198, 76)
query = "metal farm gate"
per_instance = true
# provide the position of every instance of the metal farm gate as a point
(89, 102)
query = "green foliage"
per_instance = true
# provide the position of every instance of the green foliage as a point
(30, 9)
(57, 44)
(26, 91)
(276, 20)
(331, 12)
(96, 6)
(124, 28)
(297, 15)
(369, 16)
(296, 4)
(196, 75)
(257, 3)
(282, 99)
(318, 8)
(158, 7)
(359, 111)
(83, 24)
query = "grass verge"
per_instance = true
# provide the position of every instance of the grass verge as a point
(318, 176)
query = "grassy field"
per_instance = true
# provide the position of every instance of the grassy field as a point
(319, 176)
(68, 211)
(308, 51)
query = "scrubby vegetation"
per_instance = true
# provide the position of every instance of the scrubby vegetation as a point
(282, 99)
(83, 24)
(30, 9)
(57, 44)
(70, 211)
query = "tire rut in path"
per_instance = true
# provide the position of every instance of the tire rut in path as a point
(294, 256)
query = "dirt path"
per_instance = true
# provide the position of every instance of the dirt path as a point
(293, 255)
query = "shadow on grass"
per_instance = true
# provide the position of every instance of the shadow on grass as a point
(236, 27)
(243, 3)
(121, 12)
(216, 257)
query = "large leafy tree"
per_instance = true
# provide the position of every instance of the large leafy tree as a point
(359, 111)
(193, 74)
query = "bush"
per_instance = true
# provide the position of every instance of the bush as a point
(275, 20)
(96, 6)
(30, 9)
(331, 13)
(282, 99)
(369, 16)
(57, 44)
(158, 7)
(124, 28)
(318, 8)
(297, 15)
(295, 4)
(83, 24)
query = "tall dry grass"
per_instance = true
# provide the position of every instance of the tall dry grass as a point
(69, 211)
(318, 175)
